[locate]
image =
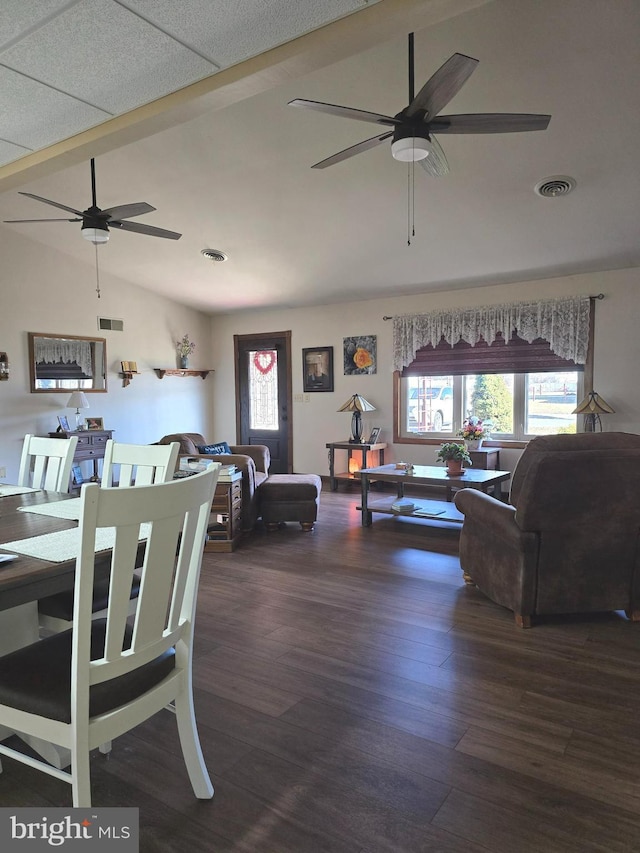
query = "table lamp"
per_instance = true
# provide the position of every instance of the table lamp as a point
(592, 407)
(78, 400)
(357, 405)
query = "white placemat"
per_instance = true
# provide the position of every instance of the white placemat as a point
(63, 545)
(58, 509)
(6, 490)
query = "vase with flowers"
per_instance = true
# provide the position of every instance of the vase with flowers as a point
(184, 347)
(454, 455)
(473, 432)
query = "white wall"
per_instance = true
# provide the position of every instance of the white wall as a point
(617, 354)
(42, 290)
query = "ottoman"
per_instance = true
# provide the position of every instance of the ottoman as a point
(290, 497)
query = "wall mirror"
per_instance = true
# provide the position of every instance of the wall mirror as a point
(64, 363)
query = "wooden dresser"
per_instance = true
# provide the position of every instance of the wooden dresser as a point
(90, 447)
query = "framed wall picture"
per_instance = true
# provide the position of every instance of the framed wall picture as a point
(317, 369)
(360, 355)
(94, 423)
(63, 420)
(375, 435)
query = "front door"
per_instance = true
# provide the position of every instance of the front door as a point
(263, 394)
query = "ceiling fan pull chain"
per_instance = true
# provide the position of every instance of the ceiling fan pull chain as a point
(95, 246)
(408, 204)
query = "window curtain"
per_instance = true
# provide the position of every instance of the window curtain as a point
(562, 323)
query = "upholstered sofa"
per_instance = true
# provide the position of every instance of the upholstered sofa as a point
(251, 459)
(568, 541)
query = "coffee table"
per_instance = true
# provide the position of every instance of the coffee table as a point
(424, 475)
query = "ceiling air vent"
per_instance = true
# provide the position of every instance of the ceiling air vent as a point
(110, 325)
(214, 255)
(556, 186)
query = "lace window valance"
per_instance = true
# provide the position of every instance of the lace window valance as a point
(54, 351)
(564, 323)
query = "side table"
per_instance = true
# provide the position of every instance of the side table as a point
(350, 446)
(486, 458)
(225, 527)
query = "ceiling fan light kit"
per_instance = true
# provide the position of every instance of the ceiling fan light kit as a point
(410, 149)
(95, 234)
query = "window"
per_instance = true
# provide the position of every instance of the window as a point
(516, 406)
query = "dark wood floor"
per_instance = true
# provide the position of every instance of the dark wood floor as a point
(353, 696)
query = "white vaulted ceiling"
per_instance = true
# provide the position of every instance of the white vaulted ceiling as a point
(227, 163)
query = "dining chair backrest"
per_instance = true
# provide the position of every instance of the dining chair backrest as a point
(138, 464)
(122, 671)
(46, 462)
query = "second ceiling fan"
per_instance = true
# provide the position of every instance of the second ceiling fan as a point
(412, 130)
(97, 222)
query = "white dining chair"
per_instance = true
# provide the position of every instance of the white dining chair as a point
(86, 686)
(124, 465)
(46, 462)
(138, 464)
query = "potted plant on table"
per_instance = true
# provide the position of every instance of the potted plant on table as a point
(473, 432)
(454, 455)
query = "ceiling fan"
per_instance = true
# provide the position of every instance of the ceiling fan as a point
(96, 222)
(412, 130)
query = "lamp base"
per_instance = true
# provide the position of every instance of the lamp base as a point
(356, 428)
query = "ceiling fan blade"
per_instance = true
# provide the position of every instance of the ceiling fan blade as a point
(42, 220)
(139, 228)
(435, 164)
(126, 211)
(344, 112)
(352, 151)
(489, 123)
(443, 85)
(54, 203)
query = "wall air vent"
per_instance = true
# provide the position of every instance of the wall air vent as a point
(108, 324)
(556, 186)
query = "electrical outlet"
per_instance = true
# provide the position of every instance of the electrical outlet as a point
(298, 398)
(3, 473)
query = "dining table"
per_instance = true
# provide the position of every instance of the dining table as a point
(26, 579)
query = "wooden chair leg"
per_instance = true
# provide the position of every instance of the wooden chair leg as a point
(522, 620)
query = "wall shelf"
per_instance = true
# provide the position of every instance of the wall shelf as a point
(172, 371)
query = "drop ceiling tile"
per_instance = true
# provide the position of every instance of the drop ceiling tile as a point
(10, 152)
(34, 115)
(229, 31)
(18, 16)
(106, 56)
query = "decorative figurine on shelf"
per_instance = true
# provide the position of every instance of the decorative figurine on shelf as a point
(185, 347)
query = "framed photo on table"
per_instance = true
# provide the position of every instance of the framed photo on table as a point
(63, 420)
(94, 423)
(375, 435)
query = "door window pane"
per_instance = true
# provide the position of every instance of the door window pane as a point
(263, 389)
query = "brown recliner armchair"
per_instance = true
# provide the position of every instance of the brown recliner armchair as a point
(252, 460)
(569, 539)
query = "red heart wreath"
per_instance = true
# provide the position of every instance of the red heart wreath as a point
(264, 360)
